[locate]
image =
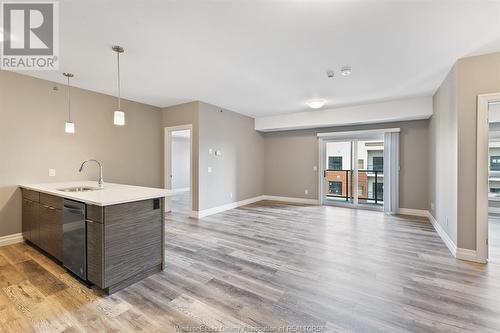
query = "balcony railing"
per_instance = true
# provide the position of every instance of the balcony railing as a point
(370, 185)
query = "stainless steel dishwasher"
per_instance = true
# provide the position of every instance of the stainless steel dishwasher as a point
(74, 238)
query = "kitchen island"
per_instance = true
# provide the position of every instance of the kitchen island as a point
(110, 237)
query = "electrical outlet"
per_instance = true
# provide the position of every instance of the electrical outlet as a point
(306, 192)
(209, 169)
(52, 172)
(315, 168)
(432, 205)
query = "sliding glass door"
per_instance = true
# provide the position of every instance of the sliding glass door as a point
(338, 173)
(353, 172)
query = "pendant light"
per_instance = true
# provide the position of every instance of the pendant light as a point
(118, 115)
(69, 126)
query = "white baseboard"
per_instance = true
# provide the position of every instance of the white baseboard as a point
(291, 199)
(413, 212)
(459, 253)
(206, 212)
(11, 239)
(444, 236)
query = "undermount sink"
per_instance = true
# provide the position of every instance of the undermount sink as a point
(79, 189)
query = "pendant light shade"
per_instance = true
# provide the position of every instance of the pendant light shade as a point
(69, 126)
(118, 115)
(119, 118)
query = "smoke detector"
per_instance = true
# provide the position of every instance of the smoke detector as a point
(345, 70)
(330, 74)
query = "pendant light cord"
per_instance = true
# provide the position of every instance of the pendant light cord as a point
(119, 87)
(69, 100)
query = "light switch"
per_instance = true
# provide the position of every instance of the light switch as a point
(218, 153)
(52, 172)
(210, 151)
(315, 168)
(209, 169)
(306, 192)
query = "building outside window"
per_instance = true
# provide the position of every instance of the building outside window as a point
(335, 162)
(361, 164)
(379, 189)
(378, 163)
(335, 188)
(494, 163)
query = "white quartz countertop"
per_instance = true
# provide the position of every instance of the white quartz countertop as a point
(111, 194)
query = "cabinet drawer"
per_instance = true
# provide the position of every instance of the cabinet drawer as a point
(94, 213)
(31, 195)
(51, 200)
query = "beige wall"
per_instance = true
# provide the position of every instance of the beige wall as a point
(475, 76)
(443, 156)
(32, 140)
(238, 173)
(291, 155)
(239, 170)
(453, 138)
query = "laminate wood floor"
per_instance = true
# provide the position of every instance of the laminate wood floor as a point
(268, 267)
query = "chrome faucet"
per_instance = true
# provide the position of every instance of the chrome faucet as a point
(100, 182)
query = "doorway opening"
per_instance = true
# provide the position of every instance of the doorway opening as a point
(178, 169)
(488, 179)
(494, 182)
(354, 173)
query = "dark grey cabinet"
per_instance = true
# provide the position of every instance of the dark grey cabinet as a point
(42, 222)
(95, 254)
(133, 236)
(124, 242)
(31, 230)
(51, 231)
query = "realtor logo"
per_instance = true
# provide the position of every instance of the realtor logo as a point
(30, 35)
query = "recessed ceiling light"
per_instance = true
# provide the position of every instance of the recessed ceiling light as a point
(316, 103)
(345, 70)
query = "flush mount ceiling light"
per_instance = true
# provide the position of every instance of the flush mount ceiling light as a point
(69, 126)
(118, 115)
(316, 103)
(346, 70)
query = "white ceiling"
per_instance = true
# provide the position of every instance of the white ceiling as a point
(263, 58)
